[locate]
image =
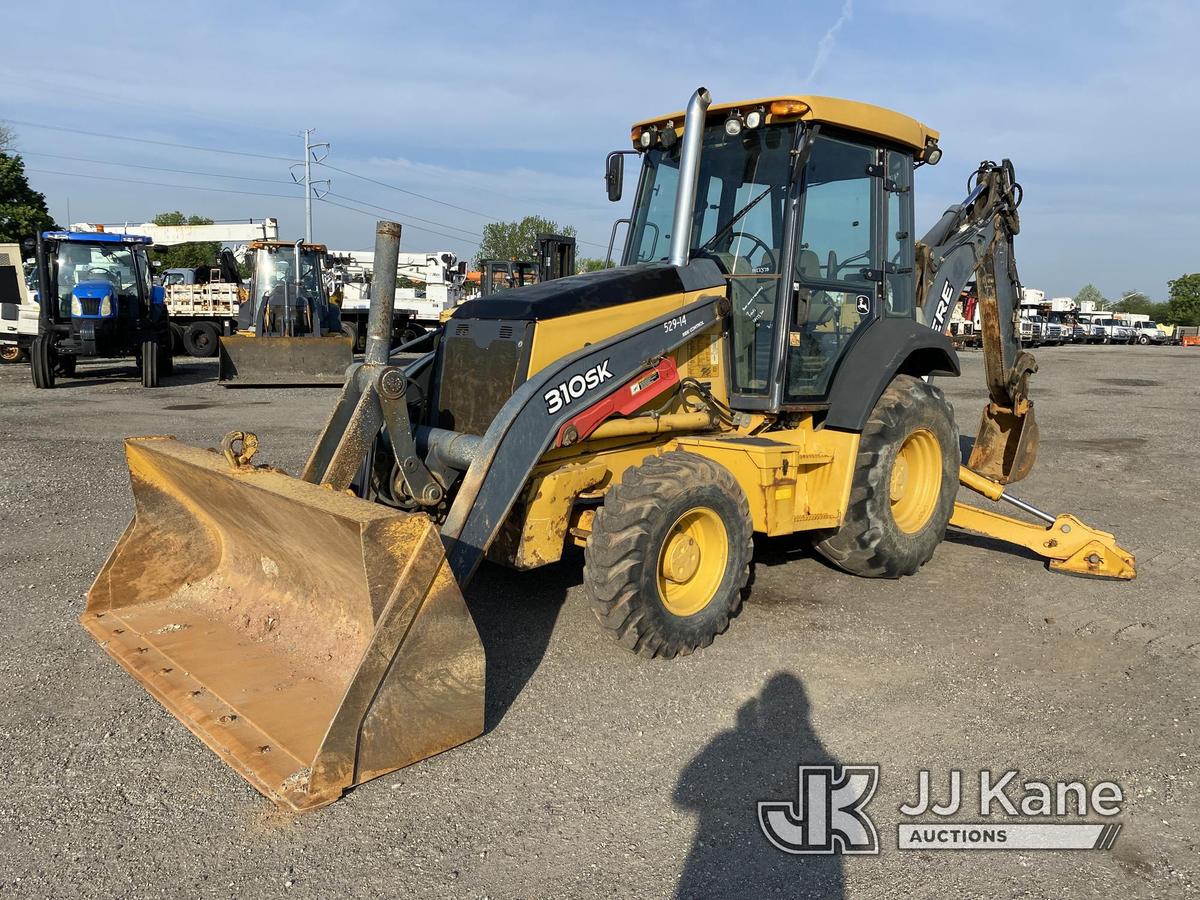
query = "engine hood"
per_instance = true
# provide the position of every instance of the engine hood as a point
(593, 290)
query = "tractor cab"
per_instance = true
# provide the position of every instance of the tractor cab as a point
(805, 204)
(287, 296)
(97, 299)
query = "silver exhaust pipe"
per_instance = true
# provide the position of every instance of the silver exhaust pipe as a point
(689, 174)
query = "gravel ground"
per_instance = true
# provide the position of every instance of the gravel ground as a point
(605, 775)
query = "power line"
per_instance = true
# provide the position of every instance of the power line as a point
(122, 137)
(189, 187)
(372, 215)
(393, 187)
(105, 162)
(396, 212)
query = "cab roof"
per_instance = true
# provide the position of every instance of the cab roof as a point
(849, 114)
(273, 245)
(96, 237)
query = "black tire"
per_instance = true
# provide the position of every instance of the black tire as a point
(411, 332)
(176, 338)
(11, 353)
(166, 358)
(629, 534)
(350, 330)
(201, 339)
(41, 362)
(150, 355)
(870, 542)
(65, 365)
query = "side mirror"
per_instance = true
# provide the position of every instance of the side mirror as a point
(614, 174)
(156, 263)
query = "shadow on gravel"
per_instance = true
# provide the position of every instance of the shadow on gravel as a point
(515, 613)
(722, 786)
(969, 539)
(193, 372)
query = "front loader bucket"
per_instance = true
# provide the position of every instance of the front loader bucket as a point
(251, 361)
(1007, 443)
(312, 639)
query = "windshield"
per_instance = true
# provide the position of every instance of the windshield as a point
(79, 263)
(733, 172)
(275, 270)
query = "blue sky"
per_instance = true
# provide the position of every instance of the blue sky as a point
(508, 109)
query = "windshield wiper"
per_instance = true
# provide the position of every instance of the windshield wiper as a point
(737, 217)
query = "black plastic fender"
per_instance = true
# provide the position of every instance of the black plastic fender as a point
(886, 348)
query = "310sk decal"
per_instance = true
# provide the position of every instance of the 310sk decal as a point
(567, 392)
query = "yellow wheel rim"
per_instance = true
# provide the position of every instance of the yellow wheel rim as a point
(692, 561)
(916, 481)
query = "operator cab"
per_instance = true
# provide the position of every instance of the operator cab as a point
(287, 292)
(806, 206)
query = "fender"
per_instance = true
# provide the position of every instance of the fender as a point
(887, 347)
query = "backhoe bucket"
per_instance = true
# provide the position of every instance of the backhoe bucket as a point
(251, 361)
(312, 639)
(1007, 444)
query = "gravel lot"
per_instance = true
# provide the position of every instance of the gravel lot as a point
(605, 775)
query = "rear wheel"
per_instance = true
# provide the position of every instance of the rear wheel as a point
(905, 481)
(150, 356)
(201, 339)
(11, 353)
(350, 330)
(668, 559)
(41, 362)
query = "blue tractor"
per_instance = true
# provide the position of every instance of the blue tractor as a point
(97, 299)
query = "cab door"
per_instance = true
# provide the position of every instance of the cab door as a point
(837, 262)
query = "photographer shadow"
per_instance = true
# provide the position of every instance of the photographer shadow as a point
(723, 784)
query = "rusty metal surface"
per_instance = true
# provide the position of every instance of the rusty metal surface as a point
(251, 361)
(311, 639)
(1006, 445)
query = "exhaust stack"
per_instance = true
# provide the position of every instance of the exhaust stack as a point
(689, 174)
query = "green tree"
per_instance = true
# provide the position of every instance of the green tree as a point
(1184, 306)
(186, 256)
(590, 264)
(517, 240)
(1089, 292)
(23, 211)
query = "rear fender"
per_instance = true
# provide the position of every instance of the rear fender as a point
(887, 348)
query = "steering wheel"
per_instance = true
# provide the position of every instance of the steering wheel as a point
(758, 242)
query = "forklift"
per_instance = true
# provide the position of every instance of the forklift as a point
(555, 259)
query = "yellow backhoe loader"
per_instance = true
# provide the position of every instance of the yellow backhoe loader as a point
(289, 333)
(761, 362)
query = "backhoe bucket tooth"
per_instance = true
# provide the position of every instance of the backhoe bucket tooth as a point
(313, 640)
(1007, 443)
(250, 361)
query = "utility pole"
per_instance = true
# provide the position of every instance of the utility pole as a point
(310, 157)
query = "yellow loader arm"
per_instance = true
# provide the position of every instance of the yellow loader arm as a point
(1068, 544)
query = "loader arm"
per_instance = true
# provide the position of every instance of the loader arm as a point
(974, 239)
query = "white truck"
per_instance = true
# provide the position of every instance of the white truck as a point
(15, 303)
(429, 285)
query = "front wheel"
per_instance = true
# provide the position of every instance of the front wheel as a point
(905, 481)
(41, 362)
(668, 559)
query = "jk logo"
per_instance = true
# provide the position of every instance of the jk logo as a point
(828, 816)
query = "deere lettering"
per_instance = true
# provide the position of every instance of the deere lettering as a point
(566, 392)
